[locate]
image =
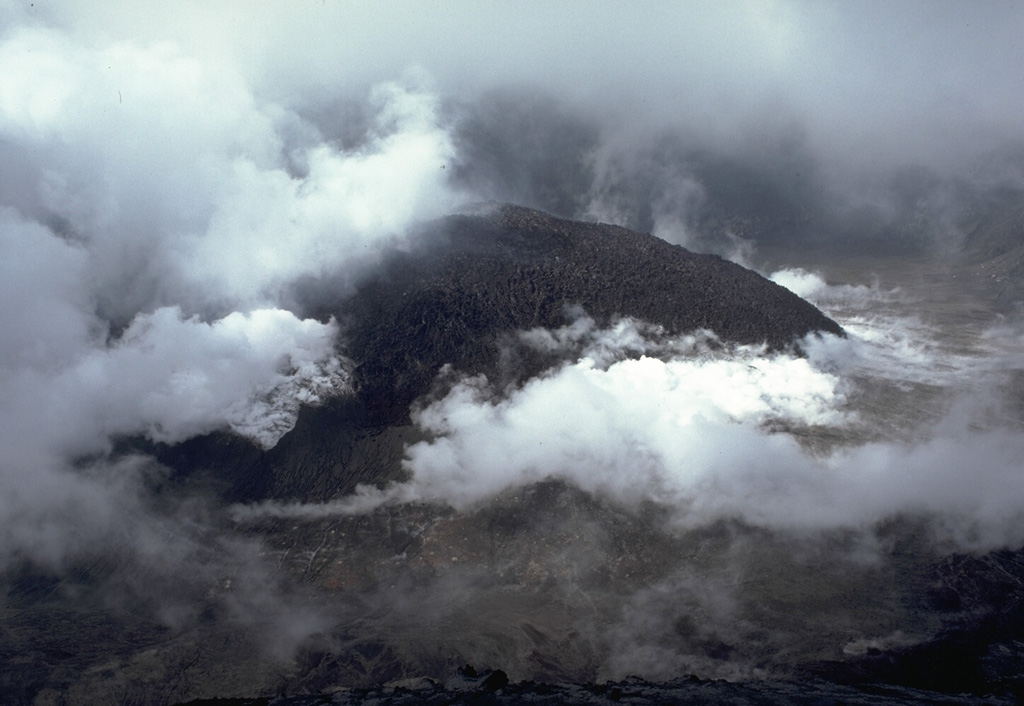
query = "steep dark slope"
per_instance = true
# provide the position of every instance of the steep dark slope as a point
(454, 299)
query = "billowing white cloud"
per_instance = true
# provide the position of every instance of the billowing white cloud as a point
(694, 436)
(172, 378)
(66, 391)
(641, 429)
(154, 212)
(188, 188)
(270, 228)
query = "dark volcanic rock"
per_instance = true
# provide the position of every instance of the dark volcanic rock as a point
(979, 653)
(477, 277)
(631, 691)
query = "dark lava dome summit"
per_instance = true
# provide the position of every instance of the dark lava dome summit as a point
(474, 278)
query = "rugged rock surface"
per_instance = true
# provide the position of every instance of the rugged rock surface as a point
(475, 278)
(632, 691)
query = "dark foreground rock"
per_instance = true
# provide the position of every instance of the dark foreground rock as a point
(994, 254)
(632, 691)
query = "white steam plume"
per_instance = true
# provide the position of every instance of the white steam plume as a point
(187, 188)
(154, 212)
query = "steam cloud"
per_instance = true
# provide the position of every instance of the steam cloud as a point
(154, 213)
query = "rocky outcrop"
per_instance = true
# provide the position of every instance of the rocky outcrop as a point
(476, 277)
(680, 692)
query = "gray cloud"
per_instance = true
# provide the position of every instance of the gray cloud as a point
(841, 120)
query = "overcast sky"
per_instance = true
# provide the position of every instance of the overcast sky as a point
(868, 80)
